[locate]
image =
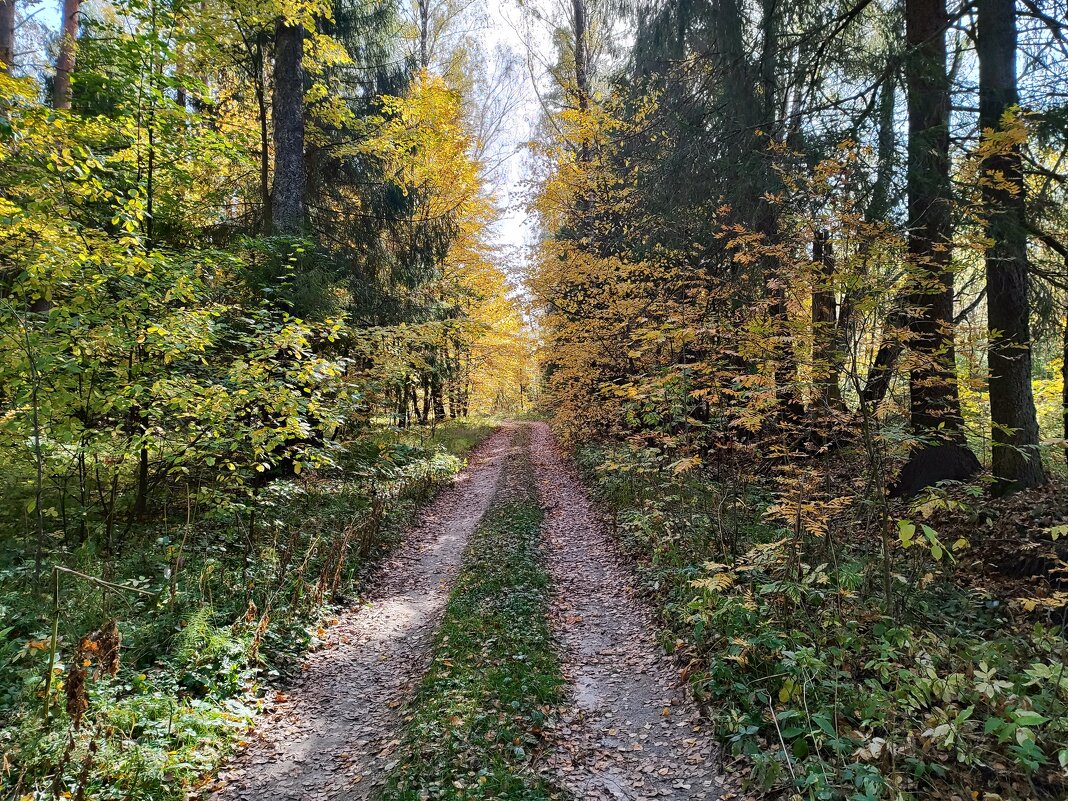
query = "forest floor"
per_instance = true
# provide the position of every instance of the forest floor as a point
(621, 727)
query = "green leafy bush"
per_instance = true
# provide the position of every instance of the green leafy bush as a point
(232, 604)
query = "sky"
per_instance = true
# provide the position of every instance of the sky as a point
(506, 27)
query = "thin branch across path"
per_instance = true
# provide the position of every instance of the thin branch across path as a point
(334, 734)
(631, 732)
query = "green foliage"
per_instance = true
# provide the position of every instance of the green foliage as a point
(236, 599)
(186, 403)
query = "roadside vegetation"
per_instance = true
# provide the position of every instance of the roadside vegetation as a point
(785, 634)
(477, 718)
(251, 315)
(202, 617)
(803, 295)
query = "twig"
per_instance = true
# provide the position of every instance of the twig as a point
(782, 742)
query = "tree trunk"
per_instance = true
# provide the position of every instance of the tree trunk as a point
(582, 66)
(287, 197)
(582, 70)
(424, 34)
(402, 405)
(454, 383)
(265, 135)
(934, 404)
(438, 398)
(61, 92)
(7, 34)
(413, 395)
(1015, 459)
(878, 209)
(826, 359)
(424, 415)
(877, 384)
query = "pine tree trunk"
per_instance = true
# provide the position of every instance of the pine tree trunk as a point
(582, 67)
(287, 196)
(935, 406)
(438, 398)
(877, 382)
(424, 415)
(1015, 459)
(265, 135)
(61, 91)
(879, 208)
(7, 34)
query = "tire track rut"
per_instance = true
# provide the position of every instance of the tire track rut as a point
(334, 731)
(631, 732)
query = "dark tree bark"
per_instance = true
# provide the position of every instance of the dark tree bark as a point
(934, 403)
(7, 34)
(1015, 459)
(437, 395)
(288, 213)
(582, 66)
(260, 83)
(454, 382)
(877, 383)
(424, 34)
(65, 61)
(879, 207)
(826, 358)
(582, 70)
(749, 92)
(424, 415)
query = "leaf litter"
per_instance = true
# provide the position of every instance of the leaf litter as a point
(631, 732)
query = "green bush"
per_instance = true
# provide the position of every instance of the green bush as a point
(235, 597)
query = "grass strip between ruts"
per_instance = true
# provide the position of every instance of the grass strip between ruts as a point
(474, 725)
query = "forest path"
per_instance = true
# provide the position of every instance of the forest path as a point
(630, 731)
(334, 732)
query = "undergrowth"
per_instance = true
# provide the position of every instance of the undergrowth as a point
(826, 689)
(229, 605)
(476, 720)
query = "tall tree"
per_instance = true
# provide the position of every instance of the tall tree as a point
(423, 9)
(288, 211)
(1014, 459)
(65, 61)
(934, 402)
(582, 65)
(7, 34)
